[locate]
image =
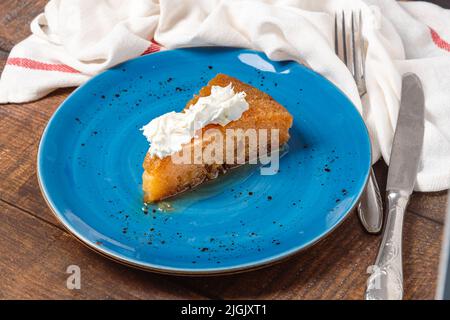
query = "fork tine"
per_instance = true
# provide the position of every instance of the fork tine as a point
(361, 45)
(336, 42)
(351, 50)
(344, 39)
(353, 69)
(358, 54)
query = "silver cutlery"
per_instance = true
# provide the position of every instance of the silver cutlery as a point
(386, 280)
(352, 53)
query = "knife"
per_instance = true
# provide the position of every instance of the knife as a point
(386, 280)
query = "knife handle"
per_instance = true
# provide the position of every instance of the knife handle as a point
(370, 207)
(386, 280)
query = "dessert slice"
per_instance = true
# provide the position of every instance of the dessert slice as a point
(223, 109)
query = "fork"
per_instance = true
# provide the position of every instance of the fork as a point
(352, 53)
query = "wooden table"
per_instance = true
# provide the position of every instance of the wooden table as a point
(35, 249)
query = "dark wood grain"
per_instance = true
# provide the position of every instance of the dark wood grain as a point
(430, 205)
(21, 126)
(3, 57)
(15, 18)
(36, 250)
(35, 256)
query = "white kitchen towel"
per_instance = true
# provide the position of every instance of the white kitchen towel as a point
(76, 39)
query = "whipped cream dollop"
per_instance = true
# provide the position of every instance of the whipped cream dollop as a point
(169, 132)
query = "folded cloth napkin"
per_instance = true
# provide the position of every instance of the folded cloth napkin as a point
(76, 39)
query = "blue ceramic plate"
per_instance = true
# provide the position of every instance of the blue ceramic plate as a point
(91, 153)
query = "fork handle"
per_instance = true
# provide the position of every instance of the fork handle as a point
(370, 207)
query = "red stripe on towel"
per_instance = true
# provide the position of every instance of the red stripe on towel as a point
(154, 47)
(441, 43)
(36, 65)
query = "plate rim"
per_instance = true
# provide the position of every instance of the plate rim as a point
(152, 267)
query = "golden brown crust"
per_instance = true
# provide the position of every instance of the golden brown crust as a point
(162, 178)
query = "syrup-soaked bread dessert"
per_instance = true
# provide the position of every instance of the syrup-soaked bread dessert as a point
(164, 177)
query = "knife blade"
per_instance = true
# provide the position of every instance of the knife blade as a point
(386, 280)
(408, 138)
